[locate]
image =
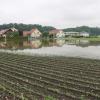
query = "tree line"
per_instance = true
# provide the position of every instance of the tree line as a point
(27, 27)
(91, 30)
(45, 29)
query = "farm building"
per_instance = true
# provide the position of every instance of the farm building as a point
(56, 33)
(84, 34)
(34, 33)
(75, 34)
(72, 34)
(5, 32)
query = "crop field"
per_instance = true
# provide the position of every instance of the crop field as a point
(48, 78)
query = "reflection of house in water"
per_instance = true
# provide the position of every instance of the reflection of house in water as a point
(13, 45)
(72, 42)
(3, 44)
(60, 42)
(82, 43)
(32, 44)
(9, 45)
(26, 44)
(36, 43)
(52, 42)
(56, 42)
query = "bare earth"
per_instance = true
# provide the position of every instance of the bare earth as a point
(36, 77)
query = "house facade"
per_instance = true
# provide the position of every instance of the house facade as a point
(84, 34)
(72, 34)
(56, 33)
(34, 33)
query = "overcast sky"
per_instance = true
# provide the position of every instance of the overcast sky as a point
(57, 13)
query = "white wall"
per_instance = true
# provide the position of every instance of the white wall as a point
(60, 34)
(36, 34)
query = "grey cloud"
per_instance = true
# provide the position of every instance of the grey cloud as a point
(58, 13)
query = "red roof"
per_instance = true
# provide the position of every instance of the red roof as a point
(33, 29)
(28, 32)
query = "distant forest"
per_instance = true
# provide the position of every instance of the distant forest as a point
(46, 29)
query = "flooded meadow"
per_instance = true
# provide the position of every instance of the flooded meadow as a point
(53, 47)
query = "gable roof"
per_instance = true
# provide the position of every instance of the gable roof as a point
(34, 29)
(4, 31)
(13, 29)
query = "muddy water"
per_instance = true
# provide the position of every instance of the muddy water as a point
(58, 47)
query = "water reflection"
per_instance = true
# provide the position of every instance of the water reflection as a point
(3, 44)
(36, 44)
(32, 44)
(56, 42)
(59, 47)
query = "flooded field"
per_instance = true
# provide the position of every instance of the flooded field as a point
(52, 47)
(56, 74)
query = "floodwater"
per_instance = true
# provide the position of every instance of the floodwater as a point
(53, 47)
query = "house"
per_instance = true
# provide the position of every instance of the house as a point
(34, 33)
(5, 32)
(56, 33)
(77, 34)
(72, 34)
(84, 34)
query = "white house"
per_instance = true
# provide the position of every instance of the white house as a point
(84, 34)
(56, 33)
(34, 33)
(81, 34)
(72, 33)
